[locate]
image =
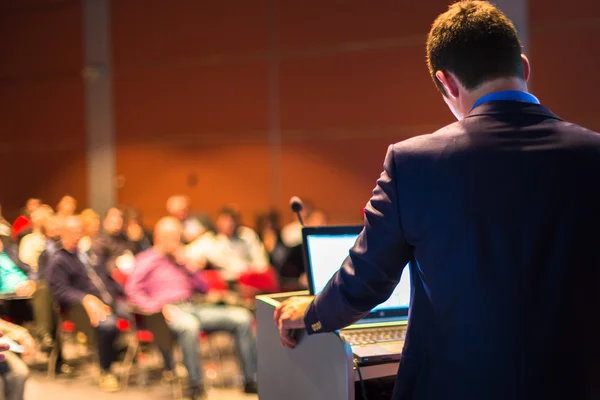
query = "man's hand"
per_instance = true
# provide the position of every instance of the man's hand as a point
(25, 289)
(96, 310)
(192, 263)
(170, 312)
(290, 315)
(28, 344)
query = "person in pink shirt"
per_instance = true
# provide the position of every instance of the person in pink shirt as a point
(164, 280)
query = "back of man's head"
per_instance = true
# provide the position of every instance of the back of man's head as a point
(476, 42)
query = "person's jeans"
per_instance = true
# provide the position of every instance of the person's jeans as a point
(14, 377)
(43, 311)
(210, 318)
(106, 335)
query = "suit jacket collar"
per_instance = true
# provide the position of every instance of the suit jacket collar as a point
(511, 107)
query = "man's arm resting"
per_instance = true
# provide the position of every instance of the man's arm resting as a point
(375, 264)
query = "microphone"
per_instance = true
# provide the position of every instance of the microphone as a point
(297, 206)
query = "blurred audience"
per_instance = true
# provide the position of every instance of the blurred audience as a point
(164, 280)
(268, 229)
(52, 230)
(111, 245)
(77, 279)
(178, 206)
(237, 249)
(13, 278)
(136, 232)
(22, 224)
(91, 226)
(33, 244)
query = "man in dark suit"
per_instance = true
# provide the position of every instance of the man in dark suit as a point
(498, 216)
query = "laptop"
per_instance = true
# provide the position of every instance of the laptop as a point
(378, 337)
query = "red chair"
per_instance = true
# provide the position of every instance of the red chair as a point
(214, 280)
(264, 282)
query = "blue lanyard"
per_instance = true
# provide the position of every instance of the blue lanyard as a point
(508, 95)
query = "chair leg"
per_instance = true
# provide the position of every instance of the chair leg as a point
(55, 353)
(132, 349)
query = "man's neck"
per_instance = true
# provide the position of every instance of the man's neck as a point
(497, 85)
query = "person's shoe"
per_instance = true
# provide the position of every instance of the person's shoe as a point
(195, 393)
(168, 376)
(251, 388)
(109, 383)
(66, 371)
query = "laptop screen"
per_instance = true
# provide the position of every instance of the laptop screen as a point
(326, 249)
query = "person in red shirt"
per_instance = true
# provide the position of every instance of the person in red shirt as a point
(22, 223)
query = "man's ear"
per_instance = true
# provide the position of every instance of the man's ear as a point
(526, 67)
(449, 82)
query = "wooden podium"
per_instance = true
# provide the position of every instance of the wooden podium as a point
(320, 367)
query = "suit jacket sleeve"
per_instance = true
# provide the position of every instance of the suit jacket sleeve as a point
(58, 282)
(374, 267)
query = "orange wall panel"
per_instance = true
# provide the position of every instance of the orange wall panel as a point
(42, 135)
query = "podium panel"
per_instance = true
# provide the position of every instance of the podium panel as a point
(320, 367)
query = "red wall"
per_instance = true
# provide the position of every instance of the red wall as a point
(42, 137)
(193, 87)
(565, 55)
(202, 88)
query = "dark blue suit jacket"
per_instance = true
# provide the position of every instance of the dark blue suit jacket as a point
(499, 216)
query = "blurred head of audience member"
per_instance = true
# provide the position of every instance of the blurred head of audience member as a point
(268, 229)
(196, 226)
(134, 227)
(31, 205)
(38, 219)
(228, 221)
(178, 206)
(91, 222)
(91, 226)
(52, 228)
(66, 206)
(113, 222)
(22, 225)
(135, 230)
(71, 233)
(167, 236)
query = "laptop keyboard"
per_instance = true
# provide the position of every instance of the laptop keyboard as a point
(377, 335)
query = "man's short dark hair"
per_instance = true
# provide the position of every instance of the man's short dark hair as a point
(476, 42)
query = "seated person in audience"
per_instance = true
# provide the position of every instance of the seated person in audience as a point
(13, 371)
(51, 229)
(164, 280)
(75, 278)
(13, 278)
(66, 207)
(178, 206)
(269, 232)
(237, 249)
(111, 245)
(91, 227)
(138, 235)
(22, 224)
(34, 243)
(204, 233)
